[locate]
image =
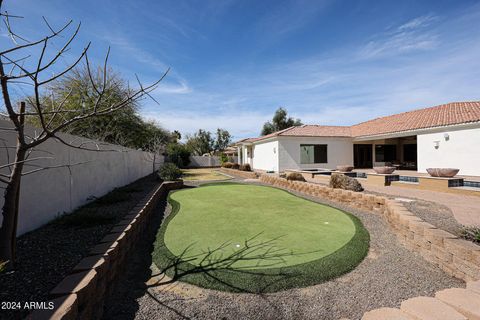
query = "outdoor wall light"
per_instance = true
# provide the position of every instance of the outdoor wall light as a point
(274, 150)
(446, 136)
(436, 144)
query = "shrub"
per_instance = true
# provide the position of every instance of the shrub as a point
(223, 158)
(283, 175)
(341, 181)
(295, 176)
(235, 166)
(227, 164)
(471, 233)
(169, 172)
(178, 154)
(245, 167)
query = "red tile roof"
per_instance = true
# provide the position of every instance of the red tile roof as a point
(438, 116)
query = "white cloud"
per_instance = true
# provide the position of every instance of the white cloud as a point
(406, 38)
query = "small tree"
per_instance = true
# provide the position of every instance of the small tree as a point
(178, 154)
(200, 143)
(280, 121)
(223, 158)
(18, 67)
(222, 139)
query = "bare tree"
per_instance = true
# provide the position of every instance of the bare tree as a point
(34, 64)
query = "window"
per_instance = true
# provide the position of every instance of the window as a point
(313, 153)
(385, 152)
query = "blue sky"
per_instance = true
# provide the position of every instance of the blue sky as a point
(235, 62)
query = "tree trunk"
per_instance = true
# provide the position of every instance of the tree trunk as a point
(8, 230)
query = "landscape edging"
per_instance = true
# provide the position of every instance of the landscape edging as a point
(457, 257)
(82, 293)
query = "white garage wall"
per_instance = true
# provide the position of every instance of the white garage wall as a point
(48, 193)
(339, 152)
(461, 150)
(265, 156)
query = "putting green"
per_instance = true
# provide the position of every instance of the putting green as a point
(239, 230)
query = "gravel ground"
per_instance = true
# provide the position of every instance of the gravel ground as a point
(434, 213)
(438, 215)
(47, 254)
(388, 275)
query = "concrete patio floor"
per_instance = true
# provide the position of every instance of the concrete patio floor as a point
(418, 174)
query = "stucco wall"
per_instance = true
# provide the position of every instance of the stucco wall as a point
(339, 152)
(48, 193)
(461, 150)
(265, 156)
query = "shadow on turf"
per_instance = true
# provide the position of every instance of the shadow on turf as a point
(208, 264)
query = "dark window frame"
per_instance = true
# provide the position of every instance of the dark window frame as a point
(320, 153)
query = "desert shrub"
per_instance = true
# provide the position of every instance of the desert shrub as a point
(227, 164)
(245, 167)
(295, 176)
(235, 166)
(169, 172)
(471, 233)
(341, 181)
(178, 154)
(223, 158)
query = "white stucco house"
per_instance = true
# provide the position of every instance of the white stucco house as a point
(446, 136)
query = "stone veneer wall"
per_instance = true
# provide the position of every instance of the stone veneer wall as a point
(81, 294)
(457, 257)
(240, 173)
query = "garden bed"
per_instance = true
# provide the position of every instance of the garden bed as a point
(46, 255)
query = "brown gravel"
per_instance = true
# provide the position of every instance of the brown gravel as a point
(389, 274)
(47, 254)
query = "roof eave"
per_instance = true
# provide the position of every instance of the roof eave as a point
(406, 133)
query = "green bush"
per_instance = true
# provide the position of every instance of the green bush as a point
(295, 176)
(178, 154)
(245, 167)
(235, 166)
(169, 172)
(227, 164)
(223, 158)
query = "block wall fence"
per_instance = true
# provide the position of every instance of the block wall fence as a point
(81, 294)
(78, 177)
(457, 257)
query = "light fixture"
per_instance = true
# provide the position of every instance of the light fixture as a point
(436, 144)
(446, 136)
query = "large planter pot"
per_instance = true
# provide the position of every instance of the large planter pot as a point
(384, 170)
(344, 168)
(443, 172)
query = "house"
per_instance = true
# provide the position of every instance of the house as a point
(446, 136)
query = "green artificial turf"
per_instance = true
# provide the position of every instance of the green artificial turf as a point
(247, 238)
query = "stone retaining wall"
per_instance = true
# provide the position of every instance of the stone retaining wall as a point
(240, 173)
(81, 294)
(457, 257)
